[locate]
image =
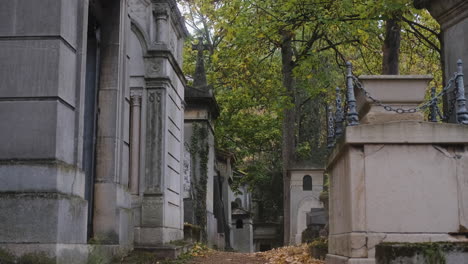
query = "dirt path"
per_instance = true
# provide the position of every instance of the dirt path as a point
(228, 258)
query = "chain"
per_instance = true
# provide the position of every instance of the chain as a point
(400, 110)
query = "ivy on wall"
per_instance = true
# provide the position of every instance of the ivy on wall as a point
(199, 150)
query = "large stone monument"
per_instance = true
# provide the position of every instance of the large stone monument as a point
(394, 177)
(91, 114)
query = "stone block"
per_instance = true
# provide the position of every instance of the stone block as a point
(36, 130)
(58, 18)
(173, 216)
(421, 253)
(126, 227)
(156, 236)
(57, 253)
(113, 220)
(41, 177)
(152, 211)
(393, 172)
(401, 184)
(106, 213)
(42, 218)
(105, 161)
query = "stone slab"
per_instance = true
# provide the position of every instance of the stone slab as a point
(113, 217)
(44, 18)
(42, 218)
(407, 132)
(334, 259)
(403, 183)
(41, 177)
(48, 64)
(149, 237)
(58, 253)
(36, 130)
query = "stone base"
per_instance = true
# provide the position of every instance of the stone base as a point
(42, 218)
(156, 236)
(421, 253)
(53, 253)
(167, 251)
(361, 245)
(63, 253)
(334, 259)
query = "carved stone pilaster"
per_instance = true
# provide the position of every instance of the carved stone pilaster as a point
(154, 135)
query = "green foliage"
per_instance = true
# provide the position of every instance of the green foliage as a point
(248, 70)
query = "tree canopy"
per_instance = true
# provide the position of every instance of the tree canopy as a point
(275, 65)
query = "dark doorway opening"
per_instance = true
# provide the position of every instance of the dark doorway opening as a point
(265, 247)
(90, 115)
(239, 224)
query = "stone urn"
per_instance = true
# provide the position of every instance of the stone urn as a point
(396, 91)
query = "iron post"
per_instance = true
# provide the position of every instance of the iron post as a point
(462, 113)
(339, 116)
(352, 117)
(331, 129)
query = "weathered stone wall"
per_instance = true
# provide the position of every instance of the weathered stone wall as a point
(42, 53)
(46, 49)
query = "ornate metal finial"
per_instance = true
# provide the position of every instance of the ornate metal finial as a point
(352, 116)
(199, 79)
(462, 113)
(331, 129)
(433, 107)
(339, 115)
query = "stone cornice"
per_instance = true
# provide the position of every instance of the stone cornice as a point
(446, 12)
(176, 16)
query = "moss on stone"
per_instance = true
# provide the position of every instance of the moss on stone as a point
(36, 258)
(6, 257)
(431, 252)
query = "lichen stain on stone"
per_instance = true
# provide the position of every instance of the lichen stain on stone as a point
(7, 257)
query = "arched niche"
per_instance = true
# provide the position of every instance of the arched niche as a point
(301, 215)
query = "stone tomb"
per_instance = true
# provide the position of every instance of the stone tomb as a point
(305, 187)
(394, 180)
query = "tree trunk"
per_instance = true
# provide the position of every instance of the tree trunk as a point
(288, 126)
(391, 47)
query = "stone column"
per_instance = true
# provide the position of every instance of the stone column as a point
(112, 203)
(161, 19)
(135, 102)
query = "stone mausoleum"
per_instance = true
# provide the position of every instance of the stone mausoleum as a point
(306, 184)
(92, 115)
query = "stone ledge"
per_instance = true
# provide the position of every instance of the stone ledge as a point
(407, 132)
